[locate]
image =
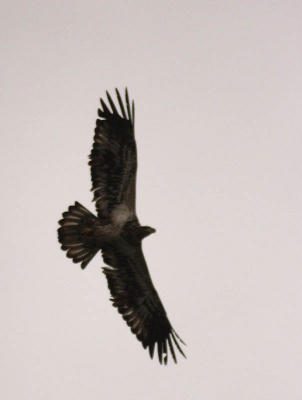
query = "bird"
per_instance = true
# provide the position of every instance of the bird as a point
(116, 231)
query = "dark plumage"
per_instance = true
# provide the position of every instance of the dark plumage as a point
(116, 230)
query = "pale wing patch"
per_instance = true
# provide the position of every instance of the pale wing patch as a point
(120, 214)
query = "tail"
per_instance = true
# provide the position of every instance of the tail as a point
(76, 234)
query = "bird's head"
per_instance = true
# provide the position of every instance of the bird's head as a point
(144, 231)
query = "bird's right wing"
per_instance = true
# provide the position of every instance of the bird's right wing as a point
(135, 297)
(113, 158)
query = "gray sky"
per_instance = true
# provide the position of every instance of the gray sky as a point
(218, 90)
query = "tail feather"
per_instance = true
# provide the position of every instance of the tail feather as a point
(76, 234)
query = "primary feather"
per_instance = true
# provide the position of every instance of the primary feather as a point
(117, 231)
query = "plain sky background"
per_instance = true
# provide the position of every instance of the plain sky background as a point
(218, 93)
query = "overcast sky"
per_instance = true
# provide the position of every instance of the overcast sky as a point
(218, 93)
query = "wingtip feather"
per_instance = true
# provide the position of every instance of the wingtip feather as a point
(128, 104)
(111, 102)
(120, 101)
(105, 108)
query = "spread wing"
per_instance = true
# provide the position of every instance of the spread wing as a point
(136, 299)
(113, 158)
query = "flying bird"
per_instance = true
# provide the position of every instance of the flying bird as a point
(116, 230)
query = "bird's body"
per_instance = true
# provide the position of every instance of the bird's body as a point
(117, 232)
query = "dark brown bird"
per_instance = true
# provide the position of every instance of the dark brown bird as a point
(117, 232)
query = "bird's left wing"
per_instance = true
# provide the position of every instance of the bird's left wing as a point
(135, 297)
